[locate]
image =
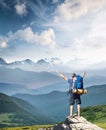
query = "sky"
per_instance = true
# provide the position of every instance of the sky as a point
(72, 30)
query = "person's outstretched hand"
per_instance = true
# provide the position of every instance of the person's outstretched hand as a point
(83, 74)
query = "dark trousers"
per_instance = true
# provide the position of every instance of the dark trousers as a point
(74, 98)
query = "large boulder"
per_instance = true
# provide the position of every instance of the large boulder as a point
(76, 123)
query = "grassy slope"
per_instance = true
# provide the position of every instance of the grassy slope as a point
(96, 114)
(13, 114)
(28, 127)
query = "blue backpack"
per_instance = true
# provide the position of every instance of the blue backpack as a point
(79, 82)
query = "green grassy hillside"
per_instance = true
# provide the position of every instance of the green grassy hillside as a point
(17, 112)
(95, 114)
(58, 102)
(36, 127)
(7, 105)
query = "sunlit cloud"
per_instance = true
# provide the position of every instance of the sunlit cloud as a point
(72, 9)
(45, 38)
(3, 42)
(55, 1)
(21, 9)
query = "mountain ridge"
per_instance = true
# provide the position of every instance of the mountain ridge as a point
(38, 82)
(46, 64)
(61, 101)
(30, 79)
(17, 112)
(45, 61)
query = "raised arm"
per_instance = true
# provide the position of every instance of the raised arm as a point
(61, 75)
(83, 74)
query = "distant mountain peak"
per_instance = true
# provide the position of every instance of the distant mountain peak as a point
(28, 61)
(42, 62)
(2, 61)
(22, 62)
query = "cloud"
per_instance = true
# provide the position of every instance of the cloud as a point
(21, 9)
(96, 38)
(3, 42)
(54, 1)
(45, 38)
(40, 9)
(98, 26)
(85, 41)
(81, 26)
(25, 43)
(79, 36)
(92, 46)
(72, 9)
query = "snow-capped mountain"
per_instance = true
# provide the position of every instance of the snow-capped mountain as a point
(51, 61)
(40, 65)
(23, 62)
(2, 62)
(42, 62)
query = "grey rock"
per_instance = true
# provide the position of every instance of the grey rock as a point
(76, 123)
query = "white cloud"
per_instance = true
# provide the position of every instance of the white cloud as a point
(45, 38)
(3, 42)
(98, 26)
(72, 9)
(54, 1)
(92, 46)
(81, 25)
(79, 37)
(21, 9)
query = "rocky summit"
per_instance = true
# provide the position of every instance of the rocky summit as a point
(76, 123)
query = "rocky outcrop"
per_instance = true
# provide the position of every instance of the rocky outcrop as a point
(76, 123)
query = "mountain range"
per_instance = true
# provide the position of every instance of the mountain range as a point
(16, 80)
(18, 112)
(28, 64)
(53, 106)
(29, 79)
(29, 61)
(56, 103)
(51, 65)
(45, 90)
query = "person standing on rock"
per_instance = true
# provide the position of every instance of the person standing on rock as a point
(73, 97)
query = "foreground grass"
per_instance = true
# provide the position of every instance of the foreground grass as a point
(102, 125)
(96, 115)
(36, 127)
